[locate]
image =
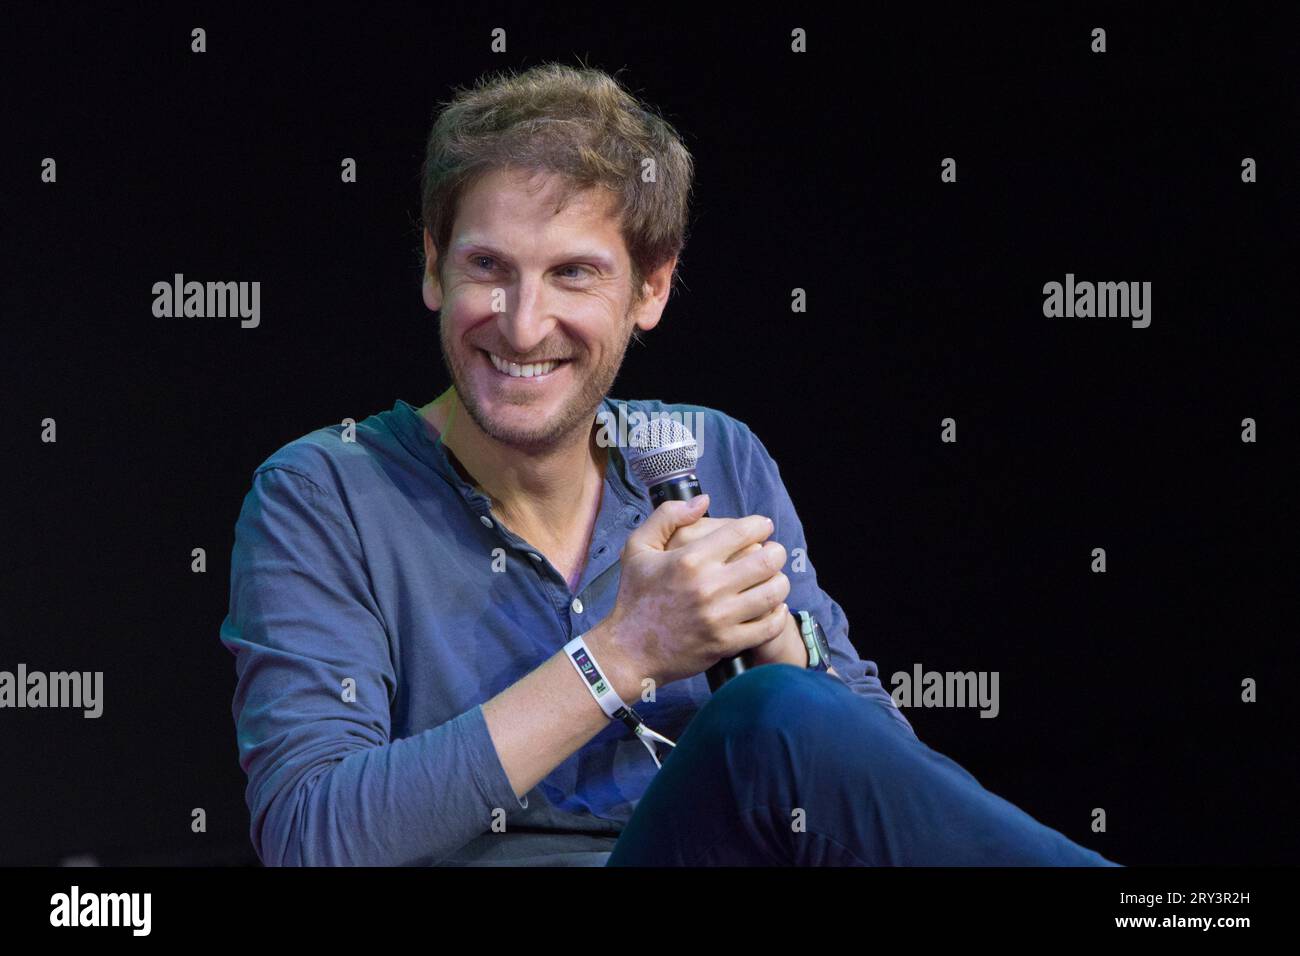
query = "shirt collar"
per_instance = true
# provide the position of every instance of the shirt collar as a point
(424, 441)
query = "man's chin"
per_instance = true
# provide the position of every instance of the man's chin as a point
(559, 412)
(529, 438)
(526, 428)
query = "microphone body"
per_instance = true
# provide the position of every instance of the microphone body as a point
(663, 454)
(678, 488)
(684, 488)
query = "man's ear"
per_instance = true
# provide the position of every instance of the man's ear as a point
(654, 291)
(432, 287)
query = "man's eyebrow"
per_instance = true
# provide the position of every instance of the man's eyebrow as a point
(597, 256)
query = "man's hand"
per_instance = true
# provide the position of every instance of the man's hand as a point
(787, 647)
(680, 610)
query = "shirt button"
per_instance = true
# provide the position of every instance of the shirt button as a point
(487, 522)
(577, 605)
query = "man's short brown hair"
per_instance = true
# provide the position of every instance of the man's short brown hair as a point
(579, 123)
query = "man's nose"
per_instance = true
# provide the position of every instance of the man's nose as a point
(529, 322)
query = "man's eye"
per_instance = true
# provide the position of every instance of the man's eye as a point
(486, 263)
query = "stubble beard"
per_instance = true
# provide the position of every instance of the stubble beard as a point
(576, 415)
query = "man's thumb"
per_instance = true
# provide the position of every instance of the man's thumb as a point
(667, 518)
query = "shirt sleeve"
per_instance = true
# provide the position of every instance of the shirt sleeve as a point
(315, 679)
(766, 494)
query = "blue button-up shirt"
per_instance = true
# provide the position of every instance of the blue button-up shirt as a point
(376, 604)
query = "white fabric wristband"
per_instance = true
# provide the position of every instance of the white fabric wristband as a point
(584, 662)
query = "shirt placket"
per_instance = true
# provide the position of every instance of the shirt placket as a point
(571, 608)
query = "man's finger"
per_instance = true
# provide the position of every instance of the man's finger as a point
(731, 537)
(655, 534)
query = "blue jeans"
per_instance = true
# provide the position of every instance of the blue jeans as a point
(789, 767)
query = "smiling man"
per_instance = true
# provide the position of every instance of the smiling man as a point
(463, 637)
(534, 339)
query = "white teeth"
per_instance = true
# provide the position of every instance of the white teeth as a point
(515, 370)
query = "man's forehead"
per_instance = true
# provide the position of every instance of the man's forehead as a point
(536, 194)
(500, 212)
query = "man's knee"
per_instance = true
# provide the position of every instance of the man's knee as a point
(775, 697)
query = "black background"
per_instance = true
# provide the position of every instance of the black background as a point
(818, 171)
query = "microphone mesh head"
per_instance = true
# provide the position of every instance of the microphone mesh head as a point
(661, 448)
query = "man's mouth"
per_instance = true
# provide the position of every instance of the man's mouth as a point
(532, 371)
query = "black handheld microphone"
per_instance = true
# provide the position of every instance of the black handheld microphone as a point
(662, 454)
